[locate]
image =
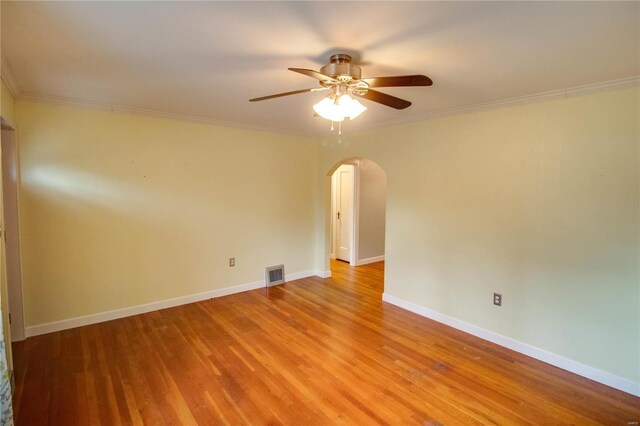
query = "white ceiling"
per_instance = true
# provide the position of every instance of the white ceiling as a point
(207, 59)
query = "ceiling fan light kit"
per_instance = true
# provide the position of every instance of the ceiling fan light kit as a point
(337, 108)
(344, 81)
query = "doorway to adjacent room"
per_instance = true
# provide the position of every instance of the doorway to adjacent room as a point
(358, 214)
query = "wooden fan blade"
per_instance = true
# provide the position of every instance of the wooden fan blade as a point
(398, 81)
(384, 99)
(295, 92)
(314, 74)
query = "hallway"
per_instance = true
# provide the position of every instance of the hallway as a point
(366, 278)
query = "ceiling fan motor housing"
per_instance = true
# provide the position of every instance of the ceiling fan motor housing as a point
(342, 69)
(342, 77)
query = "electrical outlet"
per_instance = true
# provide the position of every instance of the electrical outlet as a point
(497, 299)
(232, 261)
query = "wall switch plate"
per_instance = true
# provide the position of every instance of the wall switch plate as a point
(232, 261)
(497, 299)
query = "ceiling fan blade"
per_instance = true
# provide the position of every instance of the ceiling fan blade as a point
(399, 80)
(295, 92)
(314, 74)
(384, 99)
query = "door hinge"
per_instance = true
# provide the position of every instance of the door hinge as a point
(9, 317)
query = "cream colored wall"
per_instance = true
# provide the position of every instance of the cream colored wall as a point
(538, 202)
(371, 211)
(119, 209)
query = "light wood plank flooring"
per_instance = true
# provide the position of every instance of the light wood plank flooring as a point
(310, 352)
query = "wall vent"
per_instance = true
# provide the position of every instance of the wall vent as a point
(274, 275)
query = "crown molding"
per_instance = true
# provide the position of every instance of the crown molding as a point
(502, 103)
(34, 97)
(603, 86)
(8, 77)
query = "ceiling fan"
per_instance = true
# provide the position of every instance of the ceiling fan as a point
(343, 80)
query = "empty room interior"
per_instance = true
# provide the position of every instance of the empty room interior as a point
(319, 213)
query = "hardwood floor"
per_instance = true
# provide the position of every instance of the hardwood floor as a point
(310, 352)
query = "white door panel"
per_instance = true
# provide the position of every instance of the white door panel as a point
(344, 211)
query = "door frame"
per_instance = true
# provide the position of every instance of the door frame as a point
(325, 254)
(355, 214)
(14, 287)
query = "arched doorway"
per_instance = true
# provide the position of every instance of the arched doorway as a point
(356, 222)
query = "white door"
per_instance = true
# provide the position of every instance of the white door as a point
(344, 211)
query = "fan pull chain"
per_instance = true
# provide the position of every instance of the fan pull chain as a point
(339, 128)
(332, 126)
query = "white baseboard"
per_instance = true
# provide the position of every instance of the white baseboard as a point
(66, 324)
(321, 274)
(298, 275)
(580, 369)
(369, 260)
